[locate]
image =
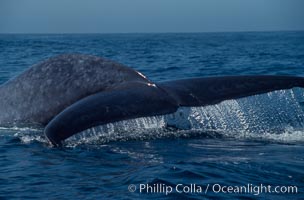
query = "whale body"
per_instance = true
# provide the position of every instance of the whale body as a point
(72, 92)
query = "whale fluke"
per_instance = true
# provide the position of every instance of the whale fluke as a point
(213, 90)
(141, 100)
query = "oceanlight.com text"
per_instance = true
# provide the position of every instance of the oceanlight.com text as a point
(160, 188)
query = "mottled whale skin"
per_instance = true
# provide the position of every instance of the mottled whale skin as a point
(71, 93)
(45, 89)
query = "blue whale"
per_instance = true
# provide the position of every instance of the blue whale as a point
(72, 92)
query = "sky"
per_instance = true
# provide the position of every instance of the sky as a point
(149, 16)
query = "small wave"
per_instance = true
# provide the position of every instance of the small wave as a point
(16, 128)
(24, 134)
(288, 136)
(27, 139)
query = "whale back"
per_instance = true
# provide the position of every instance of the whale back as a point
(45, 89)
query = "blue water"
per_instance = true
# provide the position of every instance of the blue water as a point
(256, 140)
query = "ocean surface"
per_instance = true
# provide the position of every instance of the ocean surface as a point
(249, 148)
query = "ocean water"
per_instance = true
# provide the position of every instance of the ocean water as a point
(249, 148)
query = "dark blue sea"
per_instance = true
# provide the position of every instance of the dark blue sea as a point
(249, 148)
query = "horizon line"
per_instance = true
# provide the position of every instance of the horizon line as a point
(167, 32)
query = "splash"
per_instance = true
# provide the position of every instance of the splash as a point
(23, 134)
(276, 115)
